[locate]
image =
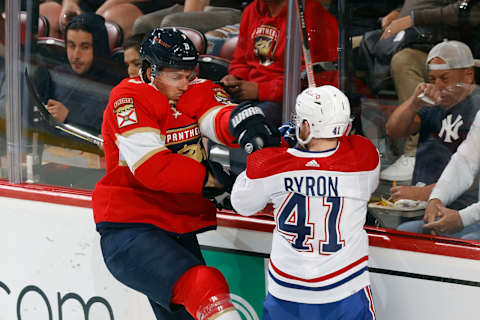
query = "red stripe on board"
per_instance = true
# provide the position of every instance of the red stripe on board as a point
(378, 237)
(231, 220)
(322, 278)
(44, 193)
(425, 243)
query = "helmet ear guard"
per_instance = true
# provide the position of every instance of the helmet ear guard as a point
(327, 111)
(143, 71)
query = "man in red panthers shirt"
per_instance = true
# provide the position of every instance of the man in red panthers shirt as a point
(153, 199)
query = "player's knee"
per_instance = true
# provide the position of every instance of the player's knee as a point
(207, 289)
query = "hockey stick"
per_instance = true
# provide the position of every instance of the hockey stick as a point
(65, 127)
(306, 48)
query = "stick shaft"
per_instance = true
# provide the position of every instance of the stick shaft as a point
(306, 48)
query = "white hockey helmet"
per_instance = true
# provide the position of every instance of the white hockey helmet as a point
(327, 111)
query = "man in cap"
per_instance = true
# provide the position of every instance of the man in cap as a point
(442, 111)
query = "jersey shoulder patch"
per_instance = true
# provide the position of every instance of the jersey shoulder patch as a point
(125, 113)
(207, 88)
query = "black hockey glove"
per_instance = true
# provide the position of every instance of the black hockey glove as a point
(220, 196)
(251, 129)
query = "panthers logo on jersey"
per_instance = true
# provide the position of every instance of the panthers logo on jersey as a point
(186, 141)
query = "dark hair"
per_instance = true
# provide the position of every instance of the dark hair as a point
(95, 25)
(134, 41)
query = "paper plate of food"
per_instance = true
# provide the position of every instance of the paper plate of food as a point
(403, 207)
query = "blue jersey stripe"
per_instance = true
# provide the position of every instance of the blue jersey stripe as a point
(324, 288)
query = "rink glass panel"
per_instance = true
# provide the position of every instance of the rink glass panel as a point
(53, 159)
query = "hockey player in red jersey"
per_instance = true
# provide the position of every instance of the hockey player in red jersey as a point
(154, 198)
(320, 189)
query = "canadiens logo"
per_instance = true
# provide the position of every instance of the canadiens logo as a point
(265, 40)
(315, 96)
(124, 110)
(221, 96)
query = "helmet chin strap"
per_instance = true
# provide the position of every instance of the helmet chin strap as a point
(152, 82)
(140, 73)
(152, 79)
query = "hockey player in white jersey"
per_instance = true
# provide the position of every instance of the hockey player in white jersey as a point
(319, 261)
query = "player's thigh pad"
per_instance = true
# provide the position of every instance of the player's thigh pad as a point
(149, 259)
(358, 306)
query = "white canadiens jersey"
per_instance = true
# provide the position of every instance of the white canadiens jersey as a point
(320, 249)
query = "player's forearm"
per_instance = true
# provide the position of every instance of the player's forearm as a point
(214, 125)
(221, 127)
(172, 173)
(247, 196)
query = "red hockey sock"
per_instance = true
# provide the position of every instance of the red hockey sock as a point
(203, 291)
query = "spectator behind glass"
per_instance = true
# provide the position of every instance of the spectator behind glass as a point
(202, 15)
(366, 15)
(124, 12)
(437, 20)
(442, 126)
(458, 176)
(131, 54)
(77, 92)
(257, 69)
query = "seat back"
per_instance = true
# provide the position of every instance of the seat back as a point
(197, 37)
(52, 51)
(228, 48)
(43, 26)
(212, 67)
(115, 35)
(42, 29)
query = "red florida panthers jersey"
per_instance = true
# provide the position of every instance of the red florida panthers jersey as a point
(153, 155)
(319, 249)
